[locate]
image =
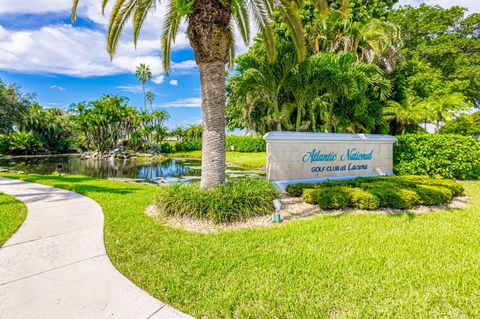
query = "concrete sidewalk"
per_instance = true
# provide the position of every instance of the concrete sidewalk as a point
(55, 265)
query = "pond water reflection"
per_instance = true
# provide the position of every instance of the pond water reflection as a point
(171, 170)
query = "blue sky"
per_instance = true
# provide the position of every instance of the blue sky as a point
(43, 53)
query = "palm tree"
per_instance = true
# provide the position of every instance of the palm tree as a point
(406, 112)
(144, 74)
(150, 98)
(442, 107)
(342, 78)
(211, 36)
(262, 82)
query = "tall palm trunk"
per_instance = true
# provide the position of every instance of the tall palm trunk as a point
(144, 97)
(211, 38)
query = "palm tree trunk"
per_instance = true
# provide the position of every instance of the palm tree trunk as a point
(144, 97)
(212, 77)
(211, 38)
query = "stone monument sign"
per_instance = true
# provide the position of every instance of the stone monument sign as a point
(295, 157)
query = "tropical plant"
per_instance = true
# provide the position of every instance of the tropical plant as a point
(13, 106)
(336, 30)
(105, 123)
(442, 108)
(342, 78)
(262, 82)
(150, 99)
(211, 37)
(406, 112)
(144, 74)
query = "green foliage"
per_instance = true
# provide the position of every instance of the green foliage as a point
(361, 199)
(448, 156)
(236, 200)
(444, 44)
(246, 143)
(465, 124)
(13, 105)
(398, 192)
(20, 143)
(433, 195)
(110, 122)
(12, 215)
(328, 198)
(396, 198)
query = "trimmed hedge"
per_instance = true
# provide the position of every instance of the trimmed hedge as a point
(445, 155)
(239, 143)
(236, 200)
(397, 192)
(246, 143)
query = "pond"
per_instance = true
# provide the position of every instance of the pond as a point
(166, 172)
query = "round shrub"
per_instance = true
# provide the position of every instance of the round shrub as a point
(456, 188)
(434, 195)
(361, 199)
(332, 198)
(446, 155)
(236, 200)
(296, 190)
(310, 195)
(396, 198)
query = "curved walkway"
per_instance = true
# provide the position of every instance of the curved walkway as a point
(55, 265)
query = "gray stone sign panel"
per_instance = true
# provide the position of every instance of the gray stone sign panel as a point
(294, 157)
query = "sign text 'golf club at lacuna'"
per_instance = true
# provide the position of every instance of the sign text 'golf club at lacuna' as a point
(294, 157)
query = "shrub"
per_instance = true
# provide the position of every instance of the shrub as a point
(396, 198)
(333, 198)
(246, 143)
(22, 143)
(434, 195)
(236, 200)
(327, 198)
(188, 146)
(446, 155)
(296, 190)
(4, 144)
(361, 199)
(456, 188)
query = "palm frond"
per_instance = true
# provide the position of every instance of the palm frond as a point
(169, 32)
(120, 14)
(262, 19)
(74, 11)
(240, 15)
(291, 18)
(141, 13)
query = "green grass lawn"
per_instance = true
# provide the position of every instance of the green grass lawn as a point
(349, 266)
(251, 160)
(12, 215)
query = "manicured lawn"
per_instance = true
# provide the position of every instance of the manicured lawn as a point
(12, 215)
(349, 266)
(252, 160)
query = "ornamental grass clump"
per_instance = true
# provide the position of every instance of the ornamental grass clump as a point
(236, 200)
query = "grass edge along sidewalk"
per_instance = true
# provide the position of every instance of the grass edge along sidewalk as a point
(12, 215)
(351, 265)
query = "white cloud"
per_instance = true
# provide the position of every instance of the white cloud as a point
(158, 79)
(188, 102)
(173, 82)
(81, 52)
(57, 87)
(130, 88)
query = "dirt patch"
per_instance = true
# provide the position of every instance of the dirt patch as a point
(293, 208)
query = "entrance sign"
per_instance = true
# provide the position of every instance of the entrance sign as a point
(294, 157)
